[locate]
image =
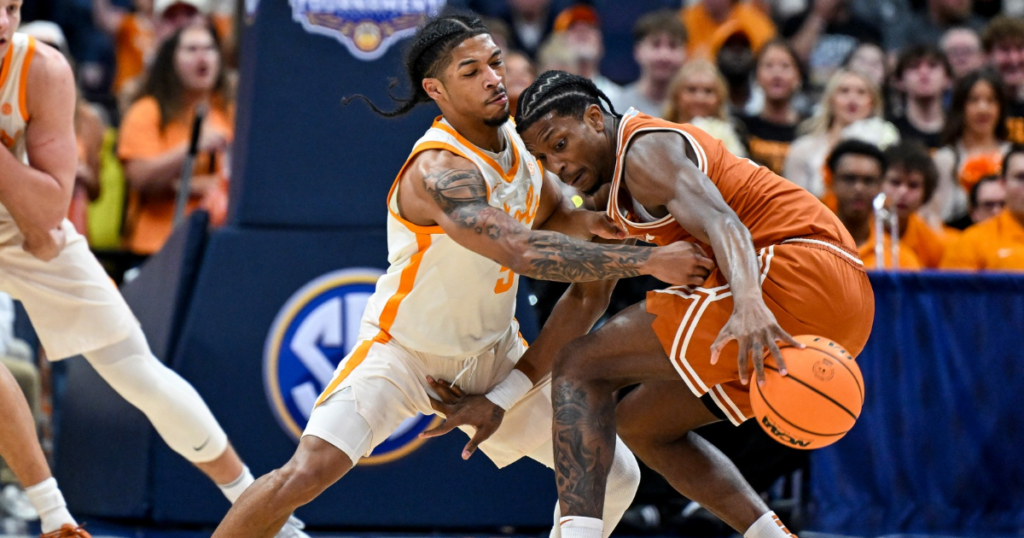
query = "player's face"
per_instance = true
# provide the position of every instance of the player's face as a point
(855, 182)
(1013, 182)
(852, 100)
(698, 97)
(576, 150)
(904, 189)
(777, 74)
(991, 200)
(982, 109)
(474, 82)
(197, 59)
(10, 18)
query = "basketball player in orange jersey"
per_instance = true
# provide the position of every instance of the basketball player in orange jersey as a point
(470, 210)
(785, 266)
(74, 307)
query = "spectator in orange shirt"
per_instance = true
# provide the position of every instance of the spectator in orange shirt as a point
(186, 72)
(987, 198)
(909, 182)
(996, 244)
(137, 34)
(857, 169)
(709, 22)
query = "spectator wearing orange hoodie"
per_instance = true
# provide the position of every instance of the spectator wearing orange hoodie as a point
(996, 244)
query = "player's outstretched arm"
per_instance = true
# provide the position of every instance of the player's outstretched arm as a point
(558, 212)
(573, 316)
(449, 191)
(37, 195)
(659, 174)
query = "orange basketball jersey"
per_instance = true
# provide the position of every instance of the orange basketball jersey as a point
(771, 207)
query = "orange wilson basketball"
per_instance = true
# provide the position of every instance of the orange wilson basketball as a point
(817, 402)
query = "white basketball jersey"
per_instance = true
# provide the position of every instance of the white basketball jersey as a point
(13, 109)
(438, 297)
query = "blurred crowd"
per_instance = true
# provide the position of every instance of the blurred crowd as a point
(919, 101)
(782, 82)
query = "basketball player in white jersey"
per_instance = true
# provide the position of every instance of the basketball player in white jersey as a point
(463, 219)
(73, 305)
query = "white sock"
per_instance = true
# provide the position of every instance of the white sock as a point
(47, 499)
(233, 490)
(768, 526)
(581, 527)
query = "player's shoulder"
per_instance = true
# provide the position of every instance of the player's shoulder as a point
(49, 66)
(436, 161)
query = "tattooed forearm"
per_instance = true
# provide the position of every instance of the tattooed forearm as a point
(584, 448)
(553, 256)
(462, 195)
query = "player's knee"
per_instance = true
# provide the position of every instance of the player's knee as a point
(314, 467)
(298, 483)
(571, 363)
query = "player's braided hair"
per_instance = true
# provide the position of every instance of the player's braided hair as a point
(561, 92)
(428, 56)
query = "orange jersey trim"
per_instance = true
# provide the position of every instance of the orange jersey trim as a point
(7, 64)
(23, 82)
(507, 177)
(387, 317)
(413, 227)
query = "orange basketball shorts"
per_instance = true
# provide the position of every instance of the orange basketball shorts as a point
(812, 287)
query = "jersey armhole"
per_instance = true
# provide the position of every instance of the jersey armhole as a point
(392, 198)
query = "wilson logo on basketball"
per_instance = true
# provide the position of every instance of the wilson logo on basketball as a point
(783, 436)
(824, 370)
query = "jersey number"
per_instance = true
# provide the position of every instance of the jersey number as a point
(505, 283)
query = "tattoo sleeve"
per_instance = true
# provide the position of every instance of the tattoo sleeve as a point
(462, 196)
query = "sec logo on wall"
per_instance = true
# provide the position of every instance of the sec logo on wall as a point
(312, 333)
(367, 28)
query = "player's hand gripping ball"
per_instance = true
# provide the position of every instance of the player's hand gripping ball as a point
(817, 402)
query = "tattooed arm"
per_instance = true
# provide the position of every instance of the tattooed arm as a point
(447, 190)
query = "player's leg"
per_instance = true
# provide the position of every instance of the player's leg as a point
(366, 403)
(268, 503)
(19, 447)
(586, 373)
(657, 420)
(171, 404)
(623, 481)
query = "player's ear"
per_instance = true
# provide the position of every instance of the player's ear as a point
(434, 88)
(594, 118)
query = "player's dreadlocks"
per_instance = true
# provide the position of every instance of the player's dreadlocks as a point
(561, 92)
(428, 56)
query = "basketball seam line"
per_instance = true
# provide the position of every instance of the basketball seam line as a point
(860, 389)
(822, 394)
(787, 421)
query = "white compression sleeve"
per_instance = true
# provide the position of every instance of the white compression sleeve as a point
(171, 404)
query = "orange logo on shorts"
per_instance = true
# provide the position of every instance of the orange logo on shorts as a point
(6, 109)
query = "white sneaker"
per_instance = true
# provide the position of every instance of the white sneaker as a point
(292, 529)
(14, 502)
